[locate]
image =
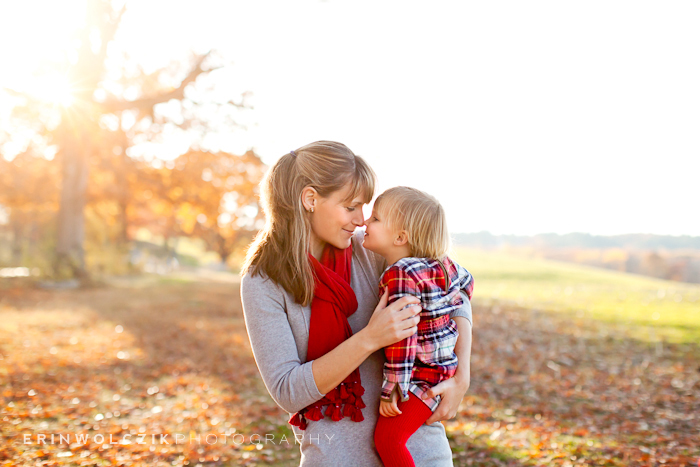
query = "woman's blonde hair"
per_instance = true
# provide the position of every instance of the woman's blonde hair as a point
(280, 250)
(420, 215)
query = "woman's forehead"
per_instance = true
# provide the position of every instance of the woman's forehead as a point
(344, 194)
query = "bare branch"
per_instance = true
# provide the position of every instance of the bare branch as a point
(240, 105)
(31, 99)
(147, 103)
(12, 92)
(109, 32)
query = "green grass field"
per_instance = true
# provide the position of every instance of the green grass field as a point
(647, 308)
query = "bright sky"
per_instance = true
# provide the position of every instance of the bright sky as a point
(521, 117)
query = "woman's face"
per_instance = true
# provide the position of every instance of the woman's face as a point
(334, 220)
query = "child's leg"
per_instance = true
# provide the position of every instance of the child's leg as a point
(391, 433)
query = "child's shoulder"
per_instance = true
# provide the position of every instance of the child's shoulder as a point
(410, 267)
(411, 263)
(456, 268)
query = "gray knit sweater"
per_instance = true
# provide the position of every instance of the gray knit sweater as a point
(278, 329)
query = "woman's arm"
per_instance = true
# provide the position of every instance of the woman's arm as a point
(289, 381)
(292, 384)
(387, 325)
(466, 310)
(453, 390)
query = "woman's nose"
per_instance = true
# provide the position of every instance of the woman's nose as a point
(359, 220)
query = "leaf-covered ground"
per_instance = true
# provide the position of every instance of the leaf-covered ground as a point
(173, 359)
(553, 389)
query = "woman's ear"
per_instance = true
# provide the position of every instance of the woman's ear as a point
(401, 238)
(308, 198)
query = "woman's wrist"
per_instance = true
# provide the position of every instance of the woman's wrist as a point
(366, 342)
(462, 376)
(332, 368)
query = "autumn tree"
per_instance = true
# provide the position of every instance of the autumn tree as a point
(212, 196)
(29, 189)
(113, 108)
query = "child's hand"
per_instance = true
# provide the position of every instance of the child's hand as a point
(390, 409)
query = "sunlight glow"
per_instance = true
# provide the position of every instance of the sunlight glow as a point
(55, 89)
(542, 126)
(45, 37)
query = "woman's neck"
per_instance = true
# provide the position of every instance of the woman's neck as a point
(317, 247)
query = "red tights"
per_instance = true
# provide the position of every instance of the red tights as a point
(391, 433)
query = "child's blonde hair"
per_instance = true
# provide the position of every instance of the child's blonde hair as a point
(420, 215)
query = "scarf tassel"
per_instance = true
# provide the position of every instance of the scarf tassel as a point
(349, 410)
(352, 408)
(298, 420)
(314, 414)
(337, 414)
(357, 416)
(333, 411)
(357, 389)
(333, 395)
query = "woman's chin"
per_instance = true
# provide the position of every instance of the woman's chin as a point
(342, 244)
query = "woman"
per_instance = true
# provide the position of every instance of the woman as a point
(309, 293)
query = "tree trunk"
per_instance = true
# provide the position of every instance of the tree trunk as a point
(224, 248)
(70, 255)
(16, 241)
(124, 195)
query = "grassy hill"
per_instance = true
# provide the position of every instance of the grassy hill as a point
(647, 308)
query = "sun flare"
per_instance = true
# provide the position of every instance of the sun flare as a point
(44, 37)
(54, 89)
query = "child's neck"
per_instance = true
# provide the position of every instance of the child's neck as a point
(397, 253)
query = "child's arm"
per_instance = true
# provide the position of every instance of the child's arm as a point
(401, 355)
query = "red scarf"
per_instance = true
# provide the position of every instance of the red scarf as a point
(334, 300)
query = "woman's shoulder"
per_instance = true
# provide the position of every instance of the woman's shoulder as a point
(254, 278)
(256, 284)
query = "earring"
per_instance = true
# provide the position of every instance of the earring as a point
(311, 210)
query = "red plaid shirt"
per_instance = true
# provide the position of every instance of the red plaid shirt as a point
(421, 361)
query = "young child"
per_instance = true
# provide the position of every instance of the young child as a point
(409, 229)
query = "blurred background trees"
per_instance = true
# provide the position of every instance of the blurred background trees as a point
(79, 166)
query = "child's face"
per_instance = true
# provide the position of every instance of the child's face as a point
(378, 237)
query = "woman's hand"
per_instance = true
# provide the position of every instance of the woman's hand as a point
(390, 324)
(452, 391)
